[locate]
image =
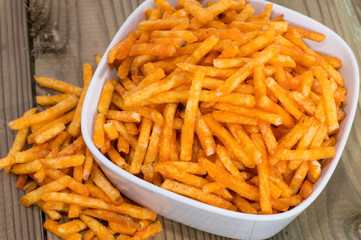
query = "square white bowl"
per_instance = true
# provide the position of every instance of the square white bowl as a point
(194, 213)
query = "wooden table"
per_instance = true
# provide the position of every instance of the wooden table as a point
(63, 34)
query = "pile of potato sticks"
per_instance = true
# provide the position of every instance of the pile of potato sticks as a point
(59, 175)
(221, 105)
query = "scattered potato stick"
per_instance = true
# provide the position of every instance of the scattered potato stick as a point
(50, 100)
(58, 85)
(49, 133)
(63, 161)
(99, 229)
(148, 231)
(26, 168)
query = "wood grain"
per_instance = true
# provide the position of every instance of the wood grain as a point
(73, 31)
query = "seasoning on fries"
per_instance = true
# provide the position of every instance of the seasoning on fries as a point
(236, 94)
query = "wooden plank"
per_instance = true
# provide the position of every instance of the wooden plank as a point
(73, 31)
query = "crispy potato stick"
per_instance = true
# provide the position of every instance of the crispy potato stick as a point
(121, 50)
(134, 211)
(52, 214)
(111, 131)
(196, 193)
(148, 231)
(32, 154)
(49, 133)
(26, 168)
(165, 50)
(88, 163)
(103, 183)
(63, 161)
(197, 10)
(227, 162)
(124, 132)
(99, 130)
(167, 131)
(132, 128)
(243, 205)
(106, 97)
(123, 116)
(99, 229)
(72, 198)
(142, 145)
(188, 167)
(151, 114)
(314, 171)
(220, 175)
(123, 229)
(306, 155)
(111, 217)
(152, 151)
(50, 113)
(187, 133)
(306, 189)
(50, 100)
(205, 47)
(58, 85)
(116, 158)
(205, 136)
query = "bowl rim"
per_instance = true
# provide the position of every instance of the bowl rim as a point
(197, 204)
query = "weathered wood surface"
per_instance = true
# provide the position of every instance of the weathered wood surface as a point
(71, 32)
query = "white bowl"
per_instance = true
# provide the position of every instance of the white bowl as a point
(196, 214)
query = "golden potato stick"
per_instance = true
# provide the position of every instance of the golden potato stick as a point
(153, 14)
(167, 131)
(306, 83)
(263, 174)
(268, 137)
(111, 217)
(299, 56)
(222, 176)
(229, 34)
(58, 206)
(197, 10)
(52, 214)
(114, 155)
(333, 61)
(196, 193)
(152, 151)
(227, 162)
(160, 24)
(148, 231)
(58, 85)
(187, 35)
(164, 6)
(132, 128)
(50, 100)
(151, 114)
(106, 97)
(245, 100)
(173, 80)
(228, 140)
(118, 87)
(187, 133)
(121, 50)
(99, 229)
(74, 210)
(111, 131)
(63, 161)
(142, 145)
(65, 119)
(278, 205)
(328, 99)
(97, 193)
(233, 81)
(88, 163)
(58, 141)
(219, 7)
(283, 61)
(279, 181)
(35, 195)
(281, 95)
(134, 211)
(73, 148)
(124, 230)
(26, 168)
(103, 183)
(89, 235)
(173, 172)
(243, 205)
(99, 133)
(50, 113)
(203, 49)
(49, 133)
(304, 103)
(31, 154)
(257, 43)
(241, 136)
(306, 155)
(299, 177)
(306, 189)
(53, 226)
(212, 187)
(267, 104)
(73, 226)
(124, 132)
(189, 167)
(153, 77)
(164, 50)
(174, 154)
(176, 42)
(251, 112)
(124, 68)
(311, 35)
(314, 171)
(122, 145)
(209, 70)
(229, 62)
(205, 136)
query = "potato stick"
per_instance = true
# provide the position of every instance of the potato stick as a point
(243, 205)
(152, 151)
(127, 83)
(306, 155)
(169, 82)
(63, 161)
(328, 100)
(58, 85)
(245, 100)
(174, 155)
(73, 226)
(49, 133)
(153, 77)
(189, 167)
(75, 147)
(267, 104)
(74, 210)
(304, 103)
(32, 154)
(314, 171)
(53, 226)
(251, 112)
(124, 69)
(228, 140)
(233, 81)
(208, 70)
(278, 205)
(212, 187)
(118, 87)
(35, 195)
(306, 83)
(30, 186)
(103, 183)
(232, 34)
(111, 131)
(276, 191)
(58, 141)
(123, 116)
(205, 47)
(187, 35)
(106, 97)
(65, 119)
(116, 158)
(50, 113)
(99, 133)
(111, 217)
(279, 181)
(299, 177)
(196, 193)
(58, 206)
(268, 137)
(333, 61)
(306, 189)
(151, 114)
(89, 235)
(205, 136)
(288, 104)
(227, 162)
(149, 231)
(220, 175)
(121, 50)
(196, 9)
(314, 36)
(99, 229)
(176, 42)
(142, 145)
(21, 181)
(173, 172)
(229, 62)
(26, 168)
(187, 133)
(153, 14)
(50, 100)
(134, 211)
(122, 229)
(52, 214)
(256, 44)
(219, 7)
(123, 131)
(97, 193)
(167, 131)
(132, 128)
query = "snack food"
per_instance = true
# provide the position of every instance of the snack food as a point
(257, 98)
(58, 172)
